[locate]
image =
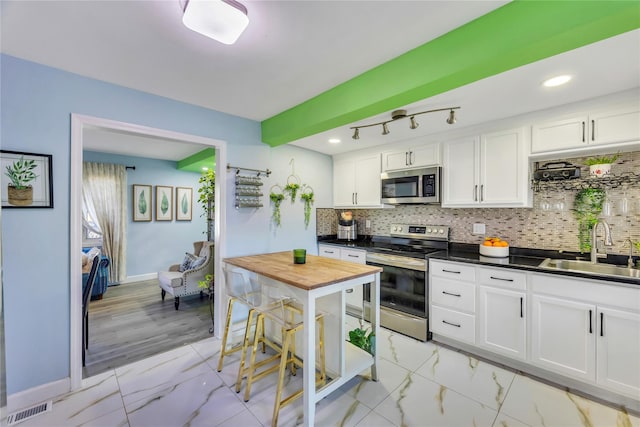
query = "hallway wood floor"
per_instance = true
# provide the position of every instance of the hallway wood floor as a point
(132, 323)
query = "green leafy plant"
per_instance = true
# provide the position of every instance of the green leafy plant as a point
(21, 173)
(207, 190)
(207, 283)
(360, 338)
(307, 198)
(637, 245)
(292, 189)
(587, 207)
(602, 160)
(277, 199)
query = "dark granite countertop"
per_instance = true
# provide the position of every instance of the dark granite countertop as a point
(519, 258)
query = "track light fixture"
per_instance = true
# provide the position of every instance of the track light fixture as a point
(402, 114)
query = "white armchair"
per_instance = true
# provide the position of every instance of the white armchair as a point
(182, 279)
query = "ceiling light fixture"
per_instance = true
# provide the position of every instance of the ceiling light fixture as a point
(402, 114)
(556, 81)
(221, 20)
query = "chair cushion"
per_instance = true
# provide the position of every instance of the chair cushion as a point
(186, 262)
(171, 279)
(197, 262)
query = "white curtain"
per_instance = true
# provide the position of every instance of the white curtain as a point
(104, 192)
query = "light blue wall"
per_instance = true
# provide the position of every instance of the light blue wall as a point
(36, 106)
(166, 240)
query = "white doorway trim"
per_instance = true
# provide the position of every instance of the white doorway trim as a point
(78, 125)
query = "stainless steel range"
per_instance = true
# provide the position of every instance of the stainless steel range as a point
(404, 292)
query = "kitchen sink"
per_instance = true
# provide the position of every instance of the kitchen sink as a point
(590, 268)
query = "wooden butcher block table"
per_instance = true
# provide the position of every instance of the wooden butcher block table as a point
(320, 284)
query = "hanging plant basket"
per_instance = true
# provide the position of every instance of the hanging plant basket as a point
(306, 196)
(292, 187)
(276, 196)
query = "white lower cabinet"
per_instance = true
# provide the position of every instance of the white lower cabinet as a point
(353, 296)
(563, 337)
(588, 330)
(618, 350)
(452, 296)
(502, 326)
(580, 329)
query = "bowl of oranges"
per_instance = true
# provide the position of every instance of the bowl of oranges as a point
(494, 247)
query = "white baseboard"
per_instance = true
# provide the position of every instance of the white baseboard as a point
(140, 278)
(32, 396)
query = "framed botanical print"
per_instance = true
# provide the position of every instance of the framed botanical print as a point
(164, 203)
(141, 202)
(184, 196)
(30, 180)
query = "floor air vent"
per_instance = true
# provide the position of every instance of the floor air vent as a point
(28, 413)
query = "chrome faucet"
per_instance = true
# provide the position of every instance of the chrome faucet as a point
(630, 260)
(594, 242)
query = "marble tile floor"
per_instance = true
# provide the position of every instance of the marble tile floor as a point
(421, 384)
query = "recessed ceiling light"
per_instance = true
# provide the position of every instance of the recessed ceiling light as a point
(334, 140)
(556, 81)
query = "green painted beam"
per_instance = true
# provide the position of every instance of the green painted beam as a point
(196, 162)
(516, 34)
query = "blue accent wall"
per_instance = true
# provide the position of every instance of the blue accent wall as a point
(35, 116)
(155, 245)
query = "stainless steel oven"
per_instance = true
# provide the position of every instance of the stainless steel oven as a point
(404, 305)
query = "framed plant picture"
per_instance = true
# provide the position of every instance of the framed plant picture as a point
(27, 181)
(164, 203)
(184, 197)
(141, 202)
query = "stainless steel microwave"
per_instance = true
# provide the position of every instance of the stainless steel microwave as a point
(411, 186)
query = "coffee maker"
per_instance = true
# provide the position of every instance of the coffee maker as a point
(347, 229)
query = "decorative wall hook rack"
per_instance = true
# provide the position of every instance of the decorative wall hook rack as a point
(258, 171)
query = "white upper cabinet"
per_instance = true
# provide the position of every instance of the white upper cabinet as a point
(490, 170)
(356, 182)
(416, 157)
(586, 130)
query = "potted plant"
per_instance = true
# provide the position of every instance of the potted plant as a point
(360, 338)
(206, 195)
(600, 166)
(21, 173)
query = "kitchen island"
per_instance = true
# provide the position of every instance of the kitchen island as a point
(319, 284)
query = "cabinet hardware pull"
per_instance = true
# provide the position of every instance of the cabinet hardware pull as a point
(356, 198)
(590, 322)
(583, 130)
(500, 278)
(349, 291)
(412, 157)
(353, 198)
(593, 130)
(453, 295)
(475, 193)
(521, 308)
(450, 271)
(482, 193)
(328, 252)
(406, 158)
(601, 324)
(353, 256)
(449, 323)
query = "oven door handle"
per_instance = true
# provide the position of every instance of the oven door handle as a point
(392, 263)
